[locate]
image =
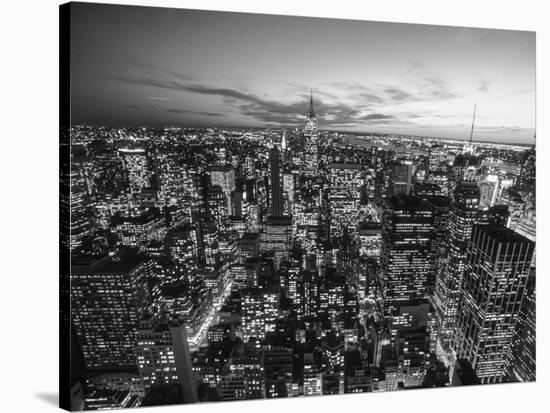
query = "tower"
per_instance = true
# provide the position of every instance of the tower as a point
(406, 260)
(344, 197)
(108, 298)
(401, 179)
(311, 161)
(495, 279)
(470, 147)
(463, 215)
(276, 184)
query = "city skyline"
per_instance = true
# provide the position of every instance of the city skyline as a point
(176, 67)
(211, 264)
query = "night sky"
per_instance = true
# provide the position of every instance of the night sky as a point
(140, 66)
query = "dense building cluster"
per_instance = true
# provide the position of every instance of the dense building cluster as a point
(212, 264)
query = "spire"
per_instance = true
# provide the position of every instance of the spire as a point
(311, 111)
(473, 121)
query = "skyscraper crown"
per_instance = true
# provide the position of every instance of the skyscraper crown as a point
(311, 111)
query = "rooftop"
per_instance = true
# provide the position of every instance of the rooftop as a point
(502, 233)
(121, 263)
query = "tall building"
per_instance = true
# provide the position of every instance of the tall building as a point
(277, 237)
(441, 206)
(276, 182)
(237, 203)
(346, 180)
(278, 365)
(138, 231)
(311, 157)
(108, 298)
(406, 260)
(463, 214)
(163, 357)
(525, 345)
(313, 377)
(182, 246)
(137, 167)
(401, 178)
(155, 356)
(217, 204)
(527, 179)
(79, 217)
(370, 235)
(224, 177)
(244, 376)
(252, 312)
(495, 278)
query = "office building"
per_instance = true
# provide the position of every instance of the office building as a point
(492, 293)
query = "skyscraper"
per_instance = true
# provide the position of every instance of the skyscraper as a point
(80, 220)
(463, 215)
(276, 182)
(406, 262)
(441, 206)
(495, 278)
(311, 159)
(224, 177)
(525, 345)
(253, 317)
(277, 237)
(244, 378)
(109, 297)
(346, 180)
(401, 178)
(137, 167)
(163, 357)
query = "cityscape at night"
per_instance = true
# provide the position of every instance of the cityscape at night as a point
(310, 251)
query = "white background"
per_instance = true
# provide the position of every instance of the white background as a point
(29, 190)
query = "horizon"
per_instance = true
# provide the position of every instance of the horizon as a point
(241, 70)
(283, 127)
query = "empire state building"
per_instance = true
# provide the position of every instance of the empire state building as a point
(311, 161)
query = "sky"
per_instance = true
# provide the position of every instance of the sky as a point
(142, 66)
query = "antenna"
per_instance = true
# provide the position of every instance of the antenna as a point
(311, 102)
(473, 121)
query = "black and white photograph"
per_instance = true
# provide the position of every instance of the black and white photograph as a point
(266, 206)
(214, 205)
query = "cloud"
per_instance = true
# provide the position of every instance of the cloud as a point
(483, 85)
(174, 110)
(139, 81)
(377, 116)
(182, 76)
(398, 94)
(159, 98)
(362, 108)
(428, 87)
(437, 88)
(193, 112)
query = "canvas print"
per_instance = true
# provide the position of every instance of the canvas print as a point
(262, 206)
